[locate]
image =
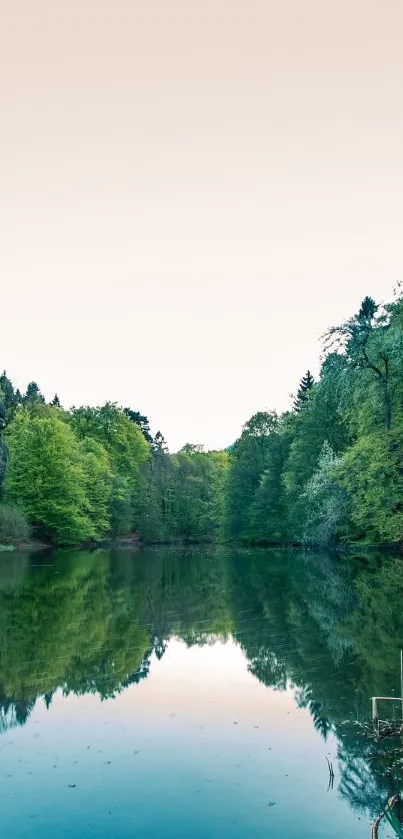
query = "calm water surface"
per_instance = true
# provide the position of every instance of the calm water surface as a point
(171, 694)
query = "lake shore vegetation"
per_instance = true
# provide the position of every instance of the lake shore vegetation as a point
(327, 472)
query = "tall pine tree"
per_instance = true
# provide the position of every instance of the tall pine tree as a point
(305, 386)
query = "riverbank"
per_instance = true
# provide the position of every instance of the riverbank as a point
(129, 542)
(134, 541)
(30, 545)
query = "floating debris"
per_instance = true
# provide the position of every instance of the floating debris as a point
(331, 774)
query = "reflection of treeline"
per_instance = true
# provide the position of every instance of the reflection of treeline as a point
(333, 630)
(90, 622)
(86, 622)
(328, 470)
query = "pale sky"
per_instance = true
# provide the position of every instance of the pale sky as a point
(190, 194)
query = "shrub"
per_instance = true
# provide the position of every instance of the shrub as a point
(13, 525)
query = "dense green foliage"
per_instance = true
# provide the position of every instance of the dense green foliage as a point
(330, 470)
(182, 496)
(92, 474)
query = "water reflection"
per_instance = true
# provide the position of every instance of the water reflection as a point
(331, 628)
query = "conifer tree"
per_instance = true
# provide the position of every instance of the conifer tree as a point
(33, 394)
(305, 386)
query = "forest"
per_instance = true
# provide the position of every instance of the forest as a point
(327, 472)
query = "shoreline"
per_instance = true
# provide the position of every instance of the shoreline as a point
(134, 542)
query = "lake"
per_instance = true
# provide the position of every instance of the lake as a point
(168, 693)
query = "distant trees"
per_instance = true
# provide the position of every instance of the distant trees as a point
(73, 475)
(328, 470)
(94, 473)
(254, 478)
(121, 437)
(182, 496)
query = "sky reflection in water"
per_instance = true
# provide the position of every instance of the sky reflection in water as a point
(166, 695)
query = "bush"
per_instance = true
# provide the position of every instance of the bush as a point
(13, 525)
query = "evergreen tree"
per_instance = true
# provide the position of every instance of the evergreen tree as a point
(305, 386)
(159, 443)
(7, 390)
(11, 397)
(367, 310)
(3, 446)
(141, 421)
(56, 401)
(3, 414)
(33, 394)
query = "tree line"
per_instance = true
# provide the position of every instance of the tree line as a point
(328, 471)
(89, 474)
(331, 469)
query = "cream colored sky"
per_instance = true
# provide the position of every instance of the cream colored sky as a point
(190, 194)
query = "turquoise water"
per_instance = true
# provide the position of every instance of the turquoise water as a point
(165, 694)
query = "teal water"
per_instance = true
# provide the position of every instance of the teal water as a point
(196, 694)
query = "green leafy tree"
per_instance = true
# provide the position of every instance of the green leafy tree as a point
(371, 472)
(46, 478)
(122, 508)
(154, 496)
(99, 485)
(247, 464)
(121, 437)
(327, 502)
(128, 451)
(364, 340)
(267, 522)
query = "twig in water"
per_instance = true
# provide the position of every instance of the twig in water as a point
(331, 775)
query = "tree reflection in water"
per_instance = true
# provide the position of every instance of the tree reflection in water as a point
(329, 627)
